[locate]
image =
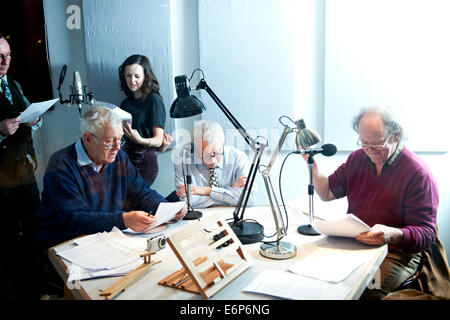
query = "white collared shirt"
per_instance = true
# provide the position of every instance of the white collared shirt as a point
(233, 165)
(83, 158)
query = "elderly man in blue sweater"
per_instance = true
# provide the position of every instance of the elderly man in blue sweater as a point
(91, 186)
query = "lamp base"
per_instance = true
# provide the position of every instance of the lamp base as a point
(307, 230)
(248, 232)
(192, 215)
(284, 250)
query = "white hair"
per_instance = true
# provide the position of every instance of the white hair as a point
(208, 131)
(97, 118)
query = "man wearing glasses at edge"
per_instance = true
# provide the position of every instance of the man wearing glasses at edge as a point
(389, 188)
(91, 185)
(218, 171)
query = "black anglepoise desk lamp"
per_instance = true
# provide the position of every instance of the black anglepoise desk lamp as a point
(187, 105)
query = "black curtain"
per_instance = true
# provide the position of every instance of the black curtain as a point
(23, 25)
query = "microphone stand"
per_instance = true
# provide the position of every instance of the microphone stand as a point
(307, 229)
(190, 214)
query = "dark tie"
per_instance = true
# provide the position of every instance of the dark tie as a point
(6, 91)
(213, 181)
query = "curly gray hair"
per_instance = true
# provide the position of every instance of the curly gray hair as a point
(97, 118)
(391, 126)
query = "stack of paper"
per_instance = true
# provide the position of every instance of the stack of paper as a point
(104, 254)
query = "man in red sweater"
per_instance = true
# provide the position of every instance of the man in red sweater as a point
(389, 188)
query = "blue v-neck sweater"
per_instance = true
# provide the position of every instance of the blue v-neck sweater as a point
(77, 200)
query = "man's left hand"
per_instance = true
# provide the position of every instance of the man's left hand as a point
(381, 234)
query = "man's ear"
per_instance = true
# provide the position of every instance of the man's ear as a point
(87, 138)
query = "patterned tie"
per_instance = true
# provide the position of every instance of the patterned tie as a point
(213, 181)
(6, 91)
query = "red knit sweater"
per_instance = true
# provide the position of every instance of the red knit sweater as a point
(404, 196)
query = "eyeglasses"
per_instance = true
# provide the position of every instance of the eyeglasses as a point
(109, 146)
(366, 145)
(216, 156)
(5, 57)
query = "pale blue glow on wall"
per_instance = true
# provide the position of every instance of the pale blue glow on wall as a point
(260, 59)
(115, 30)
(391, 53)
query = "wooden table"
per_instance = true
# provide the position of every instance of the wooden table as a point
(147, 288)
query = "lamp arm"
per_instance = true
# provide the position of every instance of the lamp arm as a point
(250, 141)
(241, 205)
(276, 212)
(256, 146)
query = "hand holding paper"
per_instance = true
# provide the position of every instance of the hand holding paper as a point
(36, 110)
(381, 234)
(166, 211)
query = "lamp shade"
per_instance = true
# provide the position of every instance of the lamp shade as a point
(185, 105)
(305, 137)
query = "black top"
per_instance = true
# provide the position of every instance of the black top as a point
(146, 114)
(15, 148)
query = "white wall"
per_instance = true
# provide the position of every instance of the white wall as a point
(306, 22)
(60, 126)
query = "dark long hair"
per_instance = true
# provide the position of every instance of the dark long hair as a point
(150, 85)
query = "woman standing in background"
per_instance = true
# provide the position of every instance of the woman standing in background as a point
(146, 134)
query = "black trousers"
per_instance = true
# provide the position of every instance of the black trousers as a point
(21, 259)
(145, 160)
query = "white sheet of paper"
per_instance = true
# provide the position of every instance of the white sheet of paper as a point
(167, 211)
(125, 116)
(347, 226)
(343, 262)
(291, 286)
(35, 110)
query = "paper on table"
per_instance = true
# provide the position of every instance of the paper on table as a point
(343, 262)
(347, 226)
(77, 273)
(109, 250)
(291, 286)
(35, 110)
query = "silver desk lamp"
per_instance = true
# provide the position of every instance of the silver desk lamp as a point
(304, 138)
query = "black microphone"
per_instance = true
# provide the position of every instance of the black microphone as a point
(327, 150)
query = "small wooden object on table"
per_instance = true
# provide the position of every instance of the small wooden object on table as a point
(208, 265)
(130, 278)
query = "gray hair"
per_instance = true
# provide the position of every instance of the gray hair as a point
(97, 118)
(208, 131)
(391, 126)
